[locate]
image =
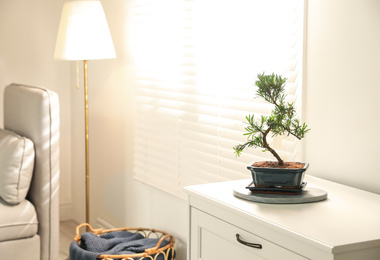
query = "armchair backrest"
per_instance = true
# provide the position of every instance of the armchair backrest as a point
(33, 112)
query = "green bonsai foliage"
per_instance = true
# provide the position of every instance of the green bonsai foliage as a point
(281, 121)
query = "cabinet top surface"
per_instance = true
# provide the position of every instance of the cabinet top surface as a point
(349, 216)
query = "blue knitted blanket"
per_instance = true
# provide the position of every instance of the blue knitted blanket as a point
(113, 243)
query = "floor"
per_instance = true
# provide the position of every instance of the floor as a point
(67, 231)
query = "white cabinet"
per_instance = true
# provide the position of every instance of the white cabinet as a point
(346, 226)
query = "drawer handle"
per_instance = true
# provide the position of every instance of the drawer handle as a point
(258, 246)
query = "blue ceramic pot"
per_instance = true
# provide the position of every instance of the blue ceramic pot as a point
(277, 177)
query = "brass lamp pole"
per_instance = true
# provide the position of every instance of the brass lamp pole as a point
(87, 146)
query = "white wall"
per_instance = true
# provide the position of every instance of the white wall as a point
(342, 89)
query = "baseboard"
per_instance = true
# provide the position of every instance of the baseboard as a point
(65, 211)
(101, 223)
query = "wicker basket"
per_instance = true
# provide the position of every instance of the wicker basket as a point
(150, 254)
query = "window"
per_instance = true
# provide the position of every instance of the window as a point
(196, 64)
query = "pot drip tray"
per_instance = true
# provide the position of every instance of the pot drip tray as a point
(277, 196)
(276, 189)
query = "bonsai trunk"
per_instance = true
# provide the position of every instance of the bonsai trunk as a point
(270, 149)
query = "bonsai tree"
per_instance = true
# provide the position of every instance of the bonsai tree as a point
(282, 120)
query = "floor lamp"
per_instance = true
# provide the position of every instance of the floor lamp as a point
(83, 34)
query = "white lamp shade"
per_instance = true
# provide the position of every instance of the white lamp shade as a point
(83, 32)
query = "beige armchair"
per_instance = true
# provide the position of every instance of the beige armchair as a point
(29, 227)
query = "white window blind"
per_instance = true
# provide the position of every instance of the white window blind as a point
(196, 64)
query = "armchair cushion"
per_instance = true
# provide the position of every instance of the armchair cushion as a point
(16, 166)
(17, 221)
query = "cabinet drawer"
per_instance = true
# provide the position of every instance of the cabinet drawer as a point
(212, 238)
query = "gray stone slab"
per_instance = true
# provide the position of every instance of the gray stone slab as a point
(308, 195)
